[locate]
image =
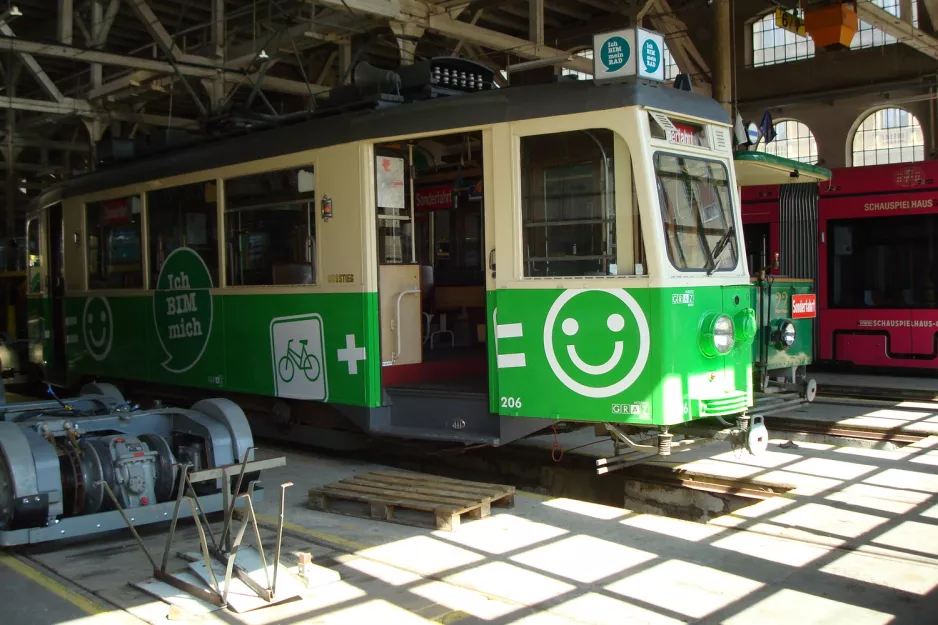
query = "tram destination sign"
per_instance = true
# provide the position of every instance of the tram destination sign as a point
(803, 306)
(628, 52)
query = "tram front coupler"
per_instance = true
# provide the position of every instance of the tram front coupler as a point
(747, 433)
(642, 445)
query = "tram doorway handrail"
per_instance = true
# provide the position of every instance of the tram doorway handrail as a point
(397, 320)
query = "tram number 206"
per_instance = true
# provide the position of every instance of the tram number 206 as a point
(511, 402)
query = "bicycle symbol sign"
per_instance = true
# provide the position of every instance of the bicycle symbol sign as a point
(306, 362)
(297, 347)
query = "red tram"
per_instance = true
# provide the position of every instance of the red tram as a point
(869, 237)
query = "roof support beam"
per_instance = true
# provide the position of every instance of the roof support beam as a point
(472, 22)
(152, 23)
(21, 46)
(407, 35)
(104, 28)
(536, 21)
(931, 7)
(66, 17)
(903, 31)
(686, 54)
(67, 107)
(30, 62)
(438, 20)
(47, 144)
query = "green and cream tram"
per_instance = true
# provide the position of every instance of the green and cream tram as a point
(471, 268)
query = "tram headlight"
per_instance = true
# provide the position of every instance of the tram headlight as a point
(785, 334)
(723, 334)
(717, 335)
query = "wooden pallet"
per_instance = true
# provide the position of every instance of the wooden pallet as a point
(385, 493)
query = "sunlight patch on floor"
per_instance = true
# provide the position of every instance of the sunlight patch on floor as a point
(830, 520)
(597, 609)
(686, 588)
(583, 559)
(374, 611)
(894, 500)
(791, 606)
(464, 600)
(879, 454)
(513, 583)
(766, 460)
(931, 513)
(421, 554)
(386, 573)
(594, 510)
(313, 601)
(896, 572)
(761, 542)
(676, 528)
(912, 536)
(822, 467)
(804, 484)
(501, 533)
(900, 478)
(928, 458)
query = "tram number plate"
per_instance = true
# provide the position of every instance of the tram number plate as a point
(803, 306)
(511, 402)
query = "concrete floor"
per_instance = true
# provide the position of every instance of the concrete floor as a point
(855, 542)
(26, 601)
(31, 595)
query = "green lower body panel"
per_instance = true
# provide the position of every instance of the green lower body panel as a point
(635, 356)
(776, 302)
(318, 347)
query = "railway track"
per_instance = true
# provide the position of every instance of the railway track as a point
(875, 392)
(792, 424)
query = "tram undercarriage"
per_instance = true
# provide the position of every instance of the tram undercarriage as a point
(635, 445)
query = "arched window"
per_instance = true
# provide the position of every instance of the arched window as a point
(890, 135)
(771, 44)
(793, 140)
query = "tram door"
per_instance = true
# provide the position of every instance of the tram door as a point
(432, 261)
(55, 323)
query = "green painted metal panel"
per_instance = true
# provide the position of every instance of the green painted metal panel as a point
(320, 347)
(774, 299)
(617, 355)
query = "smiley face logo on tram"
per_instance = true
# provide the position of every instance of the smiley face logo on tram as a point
(98, 327)
(596, 341)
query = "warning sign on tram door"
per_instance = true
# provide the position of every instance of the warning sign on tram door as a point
(628, 52)
(803, 306)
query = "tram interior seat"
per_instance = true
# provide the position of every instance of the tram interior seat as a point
(292, 273)
(429, 312)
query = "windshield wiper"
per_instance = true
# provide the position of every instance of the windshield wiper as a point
(719, 247)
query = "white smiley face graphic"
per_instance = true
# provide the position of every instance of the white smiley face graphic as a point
(615, 323)
(98, 327)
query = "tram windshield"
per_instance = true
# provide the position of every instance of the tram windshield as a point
(697, 213)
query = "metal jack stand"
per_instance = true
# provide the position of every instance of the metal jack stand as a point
(222, 549)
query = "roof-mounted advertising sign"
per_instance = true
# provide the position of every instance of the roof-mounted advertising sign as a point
(628, 52)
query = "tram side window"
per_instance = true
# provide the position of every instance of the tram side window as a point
(184, 216)
(696, 212)
(883, 262)
(114, 247)
(34, 256)
(270, 228)
(568, 207)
